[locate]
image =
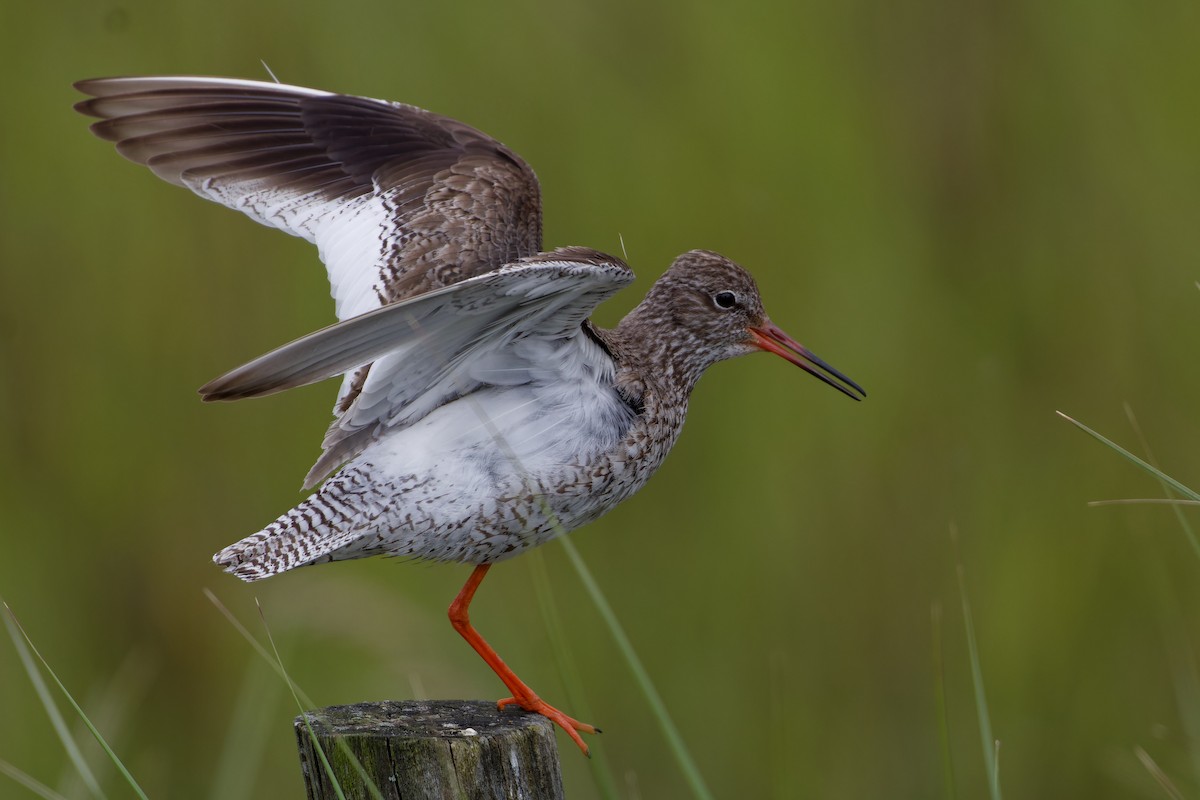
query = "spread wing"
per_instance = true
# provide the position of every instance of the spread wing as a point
(398, 200)
(517, 325)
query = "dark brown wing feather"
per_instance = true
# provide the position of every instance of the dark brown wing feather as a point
(459, 203)
(399, 200)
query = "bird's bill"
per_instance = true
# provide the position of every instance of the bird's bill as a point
(769, 337)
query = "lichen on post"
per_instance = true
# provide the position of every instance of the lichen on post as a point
(428, 749)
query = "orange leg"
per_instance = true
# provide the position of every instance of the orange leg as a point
(522, 695)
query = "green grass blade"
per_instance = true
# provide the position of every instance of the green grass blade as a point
(1159, 776)
(298, 694)
(248, 734)
(991, 746)
(691, 772)
(337, 787)
(11, 621)
(1180, 655)
(110, 705)
(1146, 501)
(30, 783)
(1158, 473)
(939, 699)
(254, 643)
(1179, 515)
(52, 712)
(598, 763)
(1181, 659)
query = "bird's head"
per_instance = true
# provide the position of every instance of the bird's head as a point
(709, 309)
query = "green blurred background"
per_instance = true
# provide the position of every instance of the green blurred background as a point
(981, 211)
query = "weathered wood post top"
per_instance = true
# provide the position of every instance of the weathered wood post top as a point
(444, 749)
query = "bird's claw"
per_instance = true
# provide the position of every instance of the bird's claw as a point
(539, 706)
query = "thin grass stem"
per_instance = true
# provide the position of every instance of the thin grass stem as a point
(1159, 776)
(254, 643)
(687, 766)
(598, 763)
(1182, 660)
(939, 699)
(247, 737)
(991, 746)
(1179, 516)
(52, 713)
(73, 751)
(1147, 501)
(298, 694)
(337, 787)
(29, 782)
(1158, 473)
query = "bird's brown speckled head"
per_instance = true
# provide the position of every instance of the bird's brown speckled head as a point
(706, 308)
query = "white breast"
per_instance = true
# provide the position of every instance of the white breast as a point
(536, 428)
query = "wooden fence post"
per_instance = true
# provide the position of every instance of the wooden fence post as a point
(444, 749)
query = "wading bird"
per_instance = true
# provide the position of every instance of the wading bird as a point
(481, 413)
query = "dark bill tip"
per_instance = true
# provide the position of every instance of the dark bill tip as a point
(769, 337)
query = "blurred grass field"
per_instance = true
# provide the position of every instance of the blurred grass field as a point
(982, 212)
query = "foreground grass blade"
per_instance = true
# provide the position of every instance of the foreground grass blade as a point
(337, 787)
(33, 785)
(258, 648)
(247, 736)
(991, 746)
(11, 621)
(686, 765)
(597, 762)
(1159, 776)
(1158, 473)
(1181, 657)
(297, 693)
(17, 634)
(939, 699)
(1179, 515)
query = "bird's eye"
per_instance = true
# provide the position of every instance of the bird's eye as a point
(725, 299)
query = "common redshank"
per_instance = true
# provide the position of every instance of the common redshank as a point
(481, 413)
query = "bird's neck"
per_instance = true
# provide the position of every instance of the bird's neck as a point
(652, 357)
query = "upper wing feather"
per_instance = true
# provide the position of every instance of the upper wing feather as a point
(398, 200)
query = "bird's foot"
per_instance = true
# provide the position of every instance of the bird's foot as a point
(539, 706)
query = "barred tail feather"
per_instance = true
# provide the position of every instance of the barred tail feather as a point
(321, 524)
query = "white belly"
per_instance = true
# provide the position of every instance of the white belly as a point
(490, 474)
